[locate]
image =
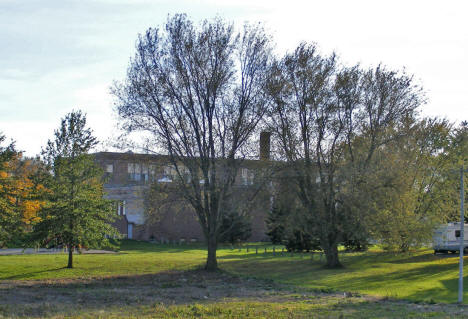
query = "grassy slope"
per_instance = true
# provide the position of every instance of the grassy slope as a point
(419, 276)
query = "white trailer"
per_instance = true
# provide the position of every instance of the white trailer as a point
(447, 238)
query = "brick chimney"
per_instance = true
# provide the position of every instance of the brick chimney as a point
(265, 146)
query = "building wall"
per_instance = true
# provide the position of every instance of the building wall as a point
(121, 224)
(175, 224)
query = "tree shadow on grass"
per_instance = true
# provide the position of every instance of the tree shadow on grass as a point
(31, 274)
(146, 247)
(401, 283)
(427, 257)
(132, 246)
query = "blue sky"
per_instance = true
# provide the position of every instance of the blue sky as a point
(57, 56)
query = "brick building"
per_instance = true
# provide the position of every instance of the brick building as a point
(130, 175)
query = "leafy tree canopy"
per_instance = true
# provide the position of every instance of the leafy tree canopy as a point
(76, 213)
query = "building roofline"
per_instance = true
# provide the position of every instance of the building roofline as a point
(131, 155)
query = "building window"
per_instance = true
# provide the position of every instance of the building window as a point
(109, 168)
(247, 176)
(168, 174)
(152, 172)
(187, 175)
(185, 172)
(121, 209)
(134, 172)
(144, 173)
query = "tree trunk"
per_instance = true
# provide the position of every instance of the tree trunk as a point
(331, 252)
(211, 261)
(70, 256)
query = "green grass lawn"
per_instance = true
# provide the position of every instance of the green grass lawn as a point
(419, 276)
(133, 258)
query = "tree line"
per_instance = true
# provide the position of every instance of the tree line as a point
(359, 160)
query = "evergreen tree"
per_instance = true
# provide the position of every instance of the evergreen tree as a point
(276, 223)
(76, 214)
(235, 228)
(287, 224)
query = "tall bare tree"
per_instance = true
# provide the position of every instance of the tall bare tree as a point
(198, 92)
(329, 120)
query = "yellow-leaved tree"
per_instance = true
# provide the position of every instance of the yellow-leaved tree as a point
(21, 194)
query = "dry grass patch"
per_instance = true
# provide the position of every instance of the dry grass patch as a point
(196, 293)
